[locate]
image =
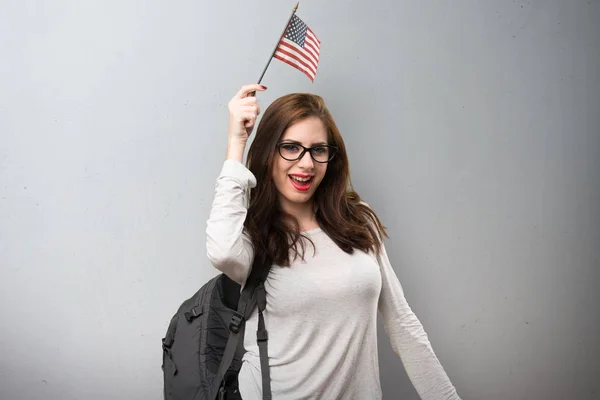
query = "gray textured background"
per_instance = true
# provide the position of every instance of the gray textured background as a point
(473, 130)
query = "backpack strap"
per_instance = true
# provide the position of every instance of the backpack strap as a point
(235, 332)
(262, 338)
(253, 294)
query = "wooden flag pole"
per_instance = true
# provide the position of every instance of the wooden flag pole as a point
(276, 45)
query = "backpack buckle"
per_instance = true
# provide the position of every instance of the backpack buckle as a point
(236, 322)
(192, 314)
(262, 335)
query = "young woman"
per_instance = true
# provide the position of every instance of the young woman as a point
(294, 208)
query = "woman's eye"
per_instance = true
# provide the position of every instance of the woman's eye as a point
(320, 150)
(291, 147)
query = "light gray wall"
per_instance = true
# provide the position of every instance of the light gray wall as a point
(473, 129)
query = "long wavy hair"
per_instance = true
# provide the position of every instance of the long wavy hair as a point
(341, 214)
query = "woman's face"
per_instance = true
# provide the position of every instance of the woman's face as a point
(297, 181)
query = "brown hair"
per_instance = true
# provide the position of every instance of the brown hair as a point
(350, 223)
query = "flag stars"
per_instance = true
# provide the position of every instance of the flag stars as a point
(297, 31)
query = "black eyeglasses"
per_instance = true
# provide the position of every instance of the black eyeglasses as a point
(321, 153)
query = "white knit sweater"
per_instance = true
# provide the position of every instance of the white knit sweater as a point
(321, 312)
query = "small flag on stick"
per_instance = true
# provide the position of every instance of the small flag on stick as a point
(298, 46)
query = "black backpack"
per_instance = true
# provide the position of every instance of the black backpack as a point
(203, 346)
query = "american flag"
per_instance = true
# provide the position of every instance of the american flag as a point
(299, 47)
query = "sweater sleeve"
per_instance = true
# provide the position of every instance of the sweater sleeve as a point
(409, 340)
(228, 247)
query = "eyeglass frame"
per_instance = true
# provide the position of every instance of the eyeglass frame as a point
(305, 149)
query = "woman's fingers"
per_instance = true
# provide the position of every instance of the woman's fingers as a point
(248, 89)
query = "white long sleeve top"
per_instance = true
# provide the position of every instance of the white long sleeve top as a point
(321, 313)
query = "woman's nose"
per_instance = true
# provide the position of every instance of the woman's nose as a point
(306, 160)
